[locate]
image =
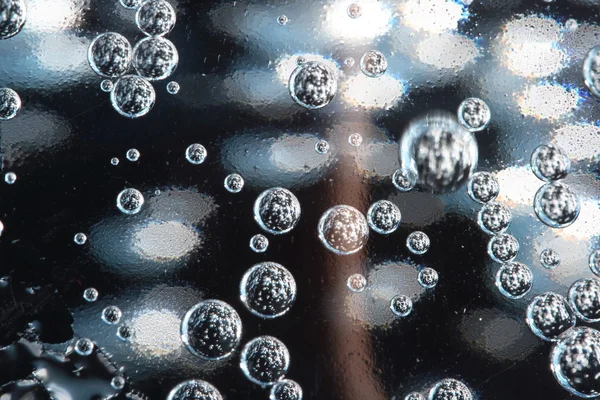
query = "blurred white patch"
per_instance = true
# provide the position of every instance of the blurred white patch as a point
(447, 50)
(517, 186)
(431, 15)
(164, 241)
(157, 333)
(62, 53)
(547, 101)
(53, 16)
(375, 20)
(382, 92)
(579, 141)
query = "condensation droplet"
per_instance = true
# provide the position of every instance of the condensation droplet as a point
(268, 290)
(130, 201)
(428, 278)
(503, 247)
(234, 183)
(112, 315)
(132, 96)
(277, 210)
(494, 218)
(80, 238)
(195, 153)
(384, 217)
(356, 282)
(355, 139)
(404, 179)
(549, 259)
(584, 297)
(155, 58)
(483, 187)
(106, 85)
(401, 305)
(550, 162)
(343, 229)
(194, 389)
(133, 155)
(155, 17)
(354, 11)
(418, 242)
(10, 102)
(322, 147)
(173, 87)
(373, 64)
(549, 315)
(90, 295)
(10, 178)
(259, 243)
(84, 347)
(286, 389)
(13, 15)
(109, 55)
(514, 280)
(265, 360)
(282, 20)
(450, 389)
(474, 114)
(556, 205)
(313, 85)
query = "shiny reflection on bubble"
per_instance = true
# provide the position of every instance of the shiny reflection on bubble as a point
(447, 51)
(383, 93)
(375, 20)
(547, 101)
(434, 16)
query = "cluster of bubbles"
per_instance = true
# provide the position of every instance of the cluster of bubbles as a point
(446, 389)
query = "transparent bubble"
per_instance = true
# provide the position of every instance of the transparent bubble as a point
(503, 247)
(10, 102)
(132, 96)
(133, 155)
(418, 242)
(10, 178)
(259, 243)
(194, 390)
(322, 147)
(343, 229)
(13, 14)
(549, 259)
(264, 360)
(384, 217)
(474, 114)
(414, 396)
(450, 389)
(84, 347)
(571, 24)
(286, 389)
(556, 205)
(282, 20)
(575, 361)
(112, 315)
(125, 333)
(80, 238)
(195, 153)
(549, 315)
(404, 179)
(584, 297)
(109, 55)
(483, 187)
(90, 295)
(349, 62)
(114, 161)
(514, 280)
(268, 290)
(355, 139)
(313, 85)
(131, 4)
(373, 64)
(130, 201)
(428, 278)
(356, 282)
(118, 382)
(155, 17)
(591, 71)
(494, 218)
(173, 87)
(300, 60)
(155, 58)
(106, 85)
(354, 11)
(594, 262)
(277, 210)
(211, 329)
(550, 162)
(401, 305)
(234, 183)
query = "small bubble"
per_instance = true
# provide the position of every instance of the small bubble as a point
(549, 315)
(10, 102)
(277, 210)
(282, 20)
(384, 217)
(10, 178)
(494, 218)
(404, 179)
(357, 283)
(118, 382)
(591, 71)
(428, 278)
(584, 297)
(268, 290)
(194, 390)
(349, 62)
(571, 24)
(556, 205)
(173, 87)
(132, 96)
(550, 162)
(474, 114)
(259, 243)
(343, 229)
(355, 139)
(109, 55)
(84, 347)
(155, 58)
(594, 262)
(450, 389)
(195, 153)
(414, 396)
(313, 85)
(111, 315)
(300, 60)
(114, 161)
(549, 259)
(130, 201)
(503, 247)
(155, 18)
(125, 333)
(107, 85)
(264, 360)
(373, 64)
(514, 280)
(354, 11)
(483, 187)
(80, 238)
(401, 305)
(13, 15)
(234, 183)
(322, 147)
(133, 155)
(418, 242)
(286, 389)
(90, 295)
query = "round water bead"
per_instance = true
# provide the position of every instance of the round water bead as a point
(549, 259)
(474, 114)
(259, 243)
(594, 262)
(428, 278)
(591, 71)
(282, 20)
(132, 96)
(404, 179)
(10, 178)
(131, 4)
(173, 87)
(118, 382)
(125, 333)
(268, 290)
(234, 183)
(418, 242)
(373, 64)
(514, 280)
(286, 389)
(277, 210)
(549, 315)
(155, 17)
(195, 153)
(106, 85)
(90, 294)
(265, 360)
(10, 102)
(155, 58)
(401, 305)
(112, 315)
(550, 162)
(357, 283)
(450, 389)
(194, 389)
(494, 218)
(556, 205)
(414, 396)
(13, 15)
(80, 238)
(384, 217)
(584, 297)
(130, 201)
(84, 347)
(483, 187)
(503, 247)
(355, 139)
(343, 229)
(110, 54)
(133, 155)
(313, 85)
(322, 147)
(114, 161)
(211, 329)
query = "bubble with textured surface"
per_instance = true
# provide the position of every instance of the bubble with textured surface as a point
(13, 15)
(194, 389)
(322, 147)
(556, 205)
(155, 17)
(259, 243)
(10, 103)
(277, 210)
(356, 282)
(195, 153)
(118, 382)
(234, 183)
(384, 217)
(474, 114)
(286, 389)
(401, 305)
(414, 396)
(110, 54)
(549, 315)
(343, 229)
(268, 290)
(112, 315)
(114, 161)
(265, 360)
(84, 347)
(418, 242)
(155, 58)
(313, 85)
(550, 162)
(549, 259)
(404, 179)
(130, 201)
(591, 71)
(450, 389)
(10, 178)
(133, 155)
(125, 333)
(514, 280)
(355, 139)
(428, 278)
(282, 20)
(483, 187)
(131, 4)
(106, 85)
(132, 96)
(90, 295)
(373, 64)
(354, 11)
(594, 262)
(503, 247)
(80, 238)
(584, 297)
(349, 62)
(494, 218)
(173, 87)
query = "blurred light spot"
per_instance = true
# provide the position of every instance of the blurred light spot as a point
(156, 333)
(517, 186)
(54, 15)
(378, 159)
(447, 50)
(579, 141)
(62, 53)
(164, 241)
(383, 92)
(376, 20)
(432, 15)
(547, 101)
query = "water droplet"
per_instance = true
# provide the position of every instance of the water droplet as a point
(10, 102)
(112, 315)
(286, 389)
(556, 205)
(584, 297)
(109, 55)
(130, 201)
(131, 4)
(571, 24)
(234, 183)
(194, 390)
(80, 238)
(155, 58)
(125, 333)
(10, 178)
(173, 87)
(355, 139)
(450, 389)
(90, 295)
(354, 11)
(356, 282)
(155, 17)
(264, 360)
(474, 114)
(384, 217)
(483, 187)
(277, 210)
(494, 218)
(575, 361)
(259, 243)
(84, 347)
(313, 85)
(268, 290)
(549, 315)
(373, 64)
(282, 20)
(404, 179)
(343, 229)
(550, 162)
(13, 14)
(401, 305)
(322, 147)
(195, 153)
(114, 161)
(133, 155)
(549, 259)
(118, 382)
(418, 242)
(514, 280)
(428, 278)
(211, 329)
(415, 396)
(591, 71)
(594, 262)
(132, 96)
(503, 247)
(106, 85)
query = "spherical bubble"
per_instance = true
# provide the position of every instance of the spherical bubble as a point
(450, 389)
(195, 153)
(575, 361)
(106, 85)
(211, 329)
(173, 87)
(133, 155)
(10, 178)
(343, 229)
(84, 347)
(13, 14)
(549, 315)
(194, 389)
(474, 114)
(571, 24)
(549, 259)
(80, 238)
(349, 62)
(282, 20)
(356, 282)
(428, 278)
(355, 139)
(286, 389)
(264, 360)
(556, 205)
(234, 183)
(300, 60)
(130, 201)
(118, 382)
(112, 315)
(132, 96)
(514, 280)
(155, 58)
(404, 179)
(322, 147)
(591, 71)
(155, 17)
(494, 218)
(125, 333)
(131, 4)
(114, 161)
(90, 295)
(550, 162)
(259, 243)
(384, 217)
(109, 55)
(313, 85)
(10, 102)
(268, 290)
(414, 396)
(584, 297)
(373, 64)
(401, 305)
(503, 247)
(354, 11)
(277, 210)
(594, 262)
(483, 187)
(418, 242)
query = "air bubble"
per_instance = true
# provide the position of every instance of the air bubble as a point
(194, 389)
(549, 259)
(106, 85)
(474, 114)
(300, 60)
(415, 396)
(343, 229)
(282, 20)
(556, 205)
(114, 161)
(322, 147)
(80, 238)
(131, 4)
(483, 187)
(584, 297)
(133, 155)
(109, 55)
(503, 247)
(13, 15)
(10, 102)
(357, 283)
(173, 87)
(125, 333)
(591, 71)
(594, 262)
(112, 315)
(155, 58)
(130, 201)
(494, 218)
(571, 24)
(349, 62)
(404, 179)
(277, 210)
(450, 389)
(373, 64)
(549, 315)
(313, 85)
(428, 278)
(355, 139)
(384, 217)
(259, 243)
(354, 11)
(234, 183)
(514, 280)
(84, 347)
(418, 242)
(155, 17)
(265, 360)
(550, 162)
(90, 295)
(268, 290)
(118, 382)
(195, 153)
(401, 305)
(132, 96)
(10, 178)
(286, 389)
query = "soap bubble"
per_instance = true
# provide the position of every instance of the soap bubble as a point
(109, 55)
(313, 85)
(118, 382)
(277, 210)
(550, 162)
(155, 58)
(549, 315)
(125, 333)
(194, 389)
(556, 205)
(343, 229)
(414, 396)
(155, 17)
(401, 305)
(10, 178)
(483, 187)
(282, 20)
(503, 247)
(418, 242)
(356, 282)
(13, 15)
(10, 102)
(114, 161)
(130, 201)
(195, 153)
(584, 297)
(474, 114)
(355, 139)
(268, 290)
(84, 347)
(594, 262)
(106, 85)
(132, 96)
(384, 217)
(131, 4)
(265, 360)
(514, 280)
(373, 64)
